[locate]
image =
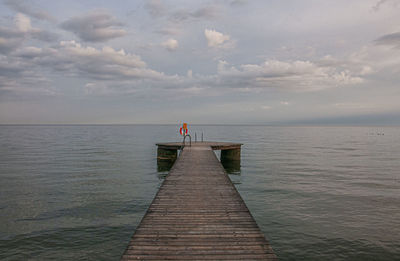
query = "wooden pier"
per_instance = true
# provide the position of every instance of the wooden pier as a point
(197, 213)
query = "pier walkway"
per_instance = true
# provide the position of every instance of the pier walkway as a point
(198, 214)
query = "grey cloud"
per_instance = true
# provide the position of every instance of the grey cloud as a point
(29, 52)
(117, 72)
(378, 5)
(23, 7)
(96, 26)
(99, 64)
(238, 2)
(107, 67)
(207, 12)
(381, 3)
(389, 39)
(44, 36)
(10, 39)
(10, 32)
(155, 8)
(9, 69)
(18, 77)
(9, 45)
(168, 31)
(294, 76)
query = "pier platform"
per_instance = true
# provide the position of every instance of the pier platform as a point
(198, 214)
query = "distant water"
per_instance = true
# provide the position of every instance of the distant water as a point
(318, 193)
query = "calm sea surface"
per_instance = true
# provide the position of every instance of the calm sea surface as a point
(318, 193)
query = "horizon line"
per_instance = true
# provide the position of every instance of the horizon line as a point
(206, 124)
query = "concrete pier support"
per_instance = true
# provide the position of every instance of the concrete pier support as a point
(166, 154)
(164, 166)
(230, 154)
(166, 159)
(230, 159)
(231, 166)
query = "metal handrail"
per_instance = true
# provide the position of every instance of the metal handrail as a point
(190, 141)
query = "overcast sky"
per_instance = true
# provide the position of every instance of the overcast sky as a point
(221, 61)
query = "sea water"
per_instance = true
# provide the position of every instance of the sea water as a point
(318, 193)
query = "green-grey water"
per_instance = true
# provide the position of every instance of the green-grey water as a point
(318, 193)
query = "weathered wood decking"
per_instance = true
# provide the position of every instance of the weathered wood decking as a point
(198, 214)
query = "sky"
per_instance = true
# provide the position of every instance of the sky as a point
(202, 62)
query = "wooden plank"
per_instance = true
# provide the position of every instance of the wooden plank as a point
(198, 214)
(225, 256)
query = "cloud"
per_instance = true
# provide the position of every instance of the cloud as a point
(97, 88)
(23, 23)
(216, 39)
(97, 26)
(380, 3)
(8, 45)
(293, 76)
(378, 59)
(238, 2)
(207, 12)
(106, 63)
(168, 31)
(265, 107)
(44, 36)
(19, 77)
(353, 106)
(29, 52)
(389, 39)
(108, 70)
(170, 44)
(114, 72)
(12, 38)
(155, 8)
(23, 7)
